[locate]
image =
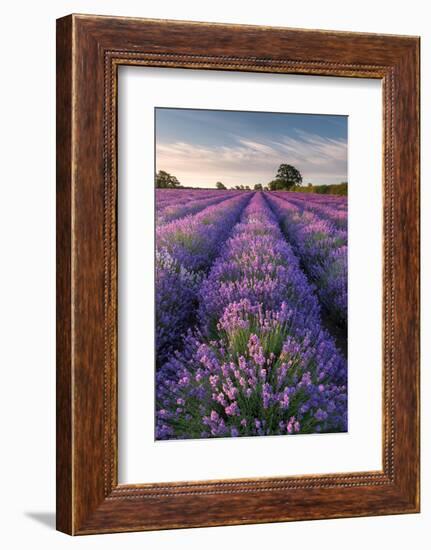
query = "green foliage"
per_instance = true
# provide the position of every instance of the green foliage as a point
(271, 339)
(275, 185)
(241, 188)
(166, 181)
(286, 179)
(334, 189)
(219, 185)
(258, 187)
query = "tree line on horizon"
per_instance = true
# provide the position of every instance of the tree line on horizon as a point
(288, 178)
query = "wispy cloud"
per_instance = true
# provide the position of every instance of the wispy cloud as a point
(249, 161)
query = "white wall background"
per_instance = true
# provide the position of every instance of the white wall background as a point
(27, 280)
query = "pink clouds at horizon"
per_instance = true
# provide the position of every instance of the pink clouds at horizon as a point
(320, 160)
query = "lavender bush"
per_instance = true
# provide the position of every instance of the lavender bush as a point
(322, 248)
(173, 211)
(336, 213)
(185, 249)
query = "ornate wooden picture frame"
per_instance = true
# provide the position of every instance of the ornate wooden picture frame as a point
(89, 51)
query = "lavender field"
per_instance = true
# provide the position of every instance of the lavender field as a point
(251, 313)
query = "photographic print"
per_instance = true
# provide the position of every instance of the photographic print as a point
(251, 273)
(208, 231)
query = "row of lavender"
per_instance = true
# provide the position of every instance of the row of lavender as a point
(334, 201)
(321, 244)
(258, 361)
(189, 205)
(185, 250)
(328, 209)
(165, 196)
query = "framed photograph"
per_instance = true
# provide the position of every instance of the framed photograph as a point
(237, 274)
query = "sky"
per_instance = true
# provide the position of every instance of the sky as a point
(201, 147)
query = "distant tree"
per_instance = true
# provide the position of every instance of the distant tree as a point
(219, 185)
(237, 187)
(165, 180)
(287, 177)
(258, 187)
(266, 188)
(248, 188)
(275, 185)
(242, 187)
